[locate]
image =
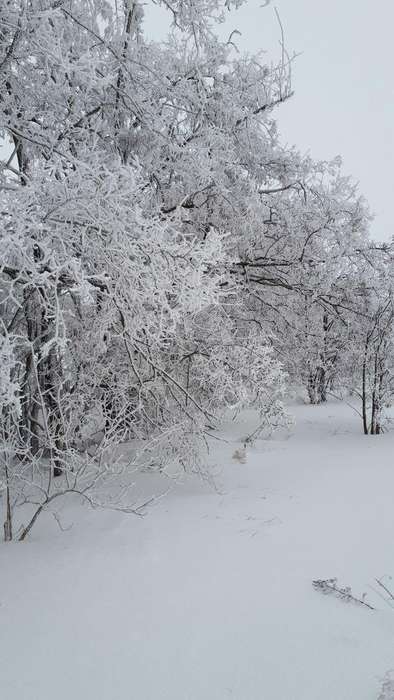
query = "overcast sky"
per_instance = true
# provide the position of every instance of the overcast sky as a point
(343, 82)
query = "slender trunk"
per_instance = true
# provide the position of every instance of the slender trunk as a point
(51, 384)
(323, 360)
(364, 390)
(321, 385)
(374, 408)
(380, 402)
(8, 520)
(28, 527)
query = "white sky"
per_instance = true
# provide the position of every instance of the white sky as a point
(343, 82)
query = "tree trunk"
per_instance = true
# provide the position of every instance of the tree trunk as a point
(8, 520)
(364, 390)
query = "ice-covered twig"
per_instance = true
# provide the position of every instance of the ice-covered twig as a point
(387, 590)
(327, 586)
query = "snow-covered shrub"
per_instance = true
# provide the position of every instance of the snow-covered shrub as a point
(387, 690)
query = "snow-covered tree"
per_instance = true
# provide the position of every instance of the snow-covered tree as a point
(121, 318)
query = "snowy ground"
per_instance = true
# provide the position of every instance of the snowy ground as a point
(209, 597)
